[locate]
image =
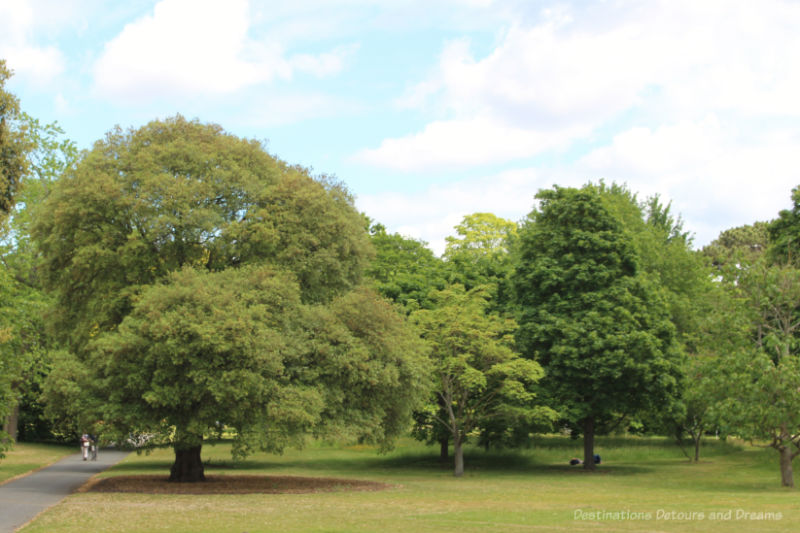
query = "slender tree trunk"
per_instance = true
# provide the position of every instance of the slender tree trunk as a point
(588, 443)
(11, 424)
(696, 437)
(458, 453)
(444, 455)
(787, 478)
(188, 467)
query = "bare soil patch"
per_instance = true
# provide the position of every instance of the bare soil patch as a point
(230, 484)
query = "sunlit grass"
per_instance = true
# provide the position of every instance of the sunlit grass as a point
(25, 457)
(528, 490)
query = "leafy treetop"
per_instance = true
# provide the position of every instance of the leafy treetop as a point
(175, 193)
(13, 145)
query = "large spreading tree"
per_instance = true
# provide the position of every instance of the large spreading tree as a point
(596, 323)
(200, 282)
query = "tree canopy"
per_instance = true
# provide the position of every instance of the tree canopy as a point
(480, 255)
(173, 193)
(404, 270)
(13, 146)
(238, 349)
(761, 400)
(596, 324)
(25, 306)
(784, 233)
(197, 279)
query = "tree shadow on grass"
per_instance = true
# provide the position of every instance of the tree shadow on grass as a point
(546, 455)
(497, 463)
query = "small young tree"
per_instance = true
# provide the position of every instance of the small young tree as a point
(477, 373)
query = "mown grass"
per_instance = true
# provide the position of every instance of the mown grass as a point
(25, 457)
(528, 490)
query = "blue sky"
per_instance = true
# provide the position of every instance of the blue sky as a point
(430, 110)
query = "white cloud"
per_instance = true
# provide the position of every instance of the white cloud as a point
(575, 71)
(462, 143)
(668, 150)
(188, 47)
(714, 179)
(36, 64)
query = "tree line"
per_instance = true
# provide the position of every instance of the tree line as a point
(175, 282)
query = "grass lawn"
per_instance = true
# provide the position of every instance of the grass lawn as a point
(25, 457)
(647, 482)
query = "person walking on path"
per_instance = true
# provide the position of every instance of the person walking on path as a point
(85, 442)
(93, 446)
(23, 498)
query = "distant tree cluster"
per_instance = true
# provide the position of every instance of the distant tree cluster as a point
(176, 283)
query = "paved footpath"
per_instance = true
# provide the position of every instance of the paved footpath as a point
(24, 498)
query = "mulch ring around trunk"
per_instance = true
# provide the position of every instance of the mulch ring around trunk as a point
(230, 484)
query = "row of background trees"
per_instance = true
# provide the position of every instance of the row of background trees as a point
(175, 280)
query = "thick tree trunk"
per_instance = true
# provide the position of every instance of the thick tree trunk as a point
(588, 443)
(458, 453)
(444, 455)
(187, 468)
(11, 424)
(787, 478)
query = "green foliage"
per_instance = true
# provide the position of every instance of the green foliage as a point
(202, 348)
(67, 395)
(375, 369)
(147, 202)
(664, 255)
(784, 233)
(481, 235)
(478, 375)
(761, 400)
(202, 284)
(480, 256)
(25, 305)
(699, 308)
(238, 349)
(9, 364)
(763, 403)
(737, 247)
(50, 155)
(13, 145)
(404, 270)
(599, 326)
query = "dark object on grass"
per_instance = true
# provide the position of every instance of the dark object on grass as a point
(575, 461)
